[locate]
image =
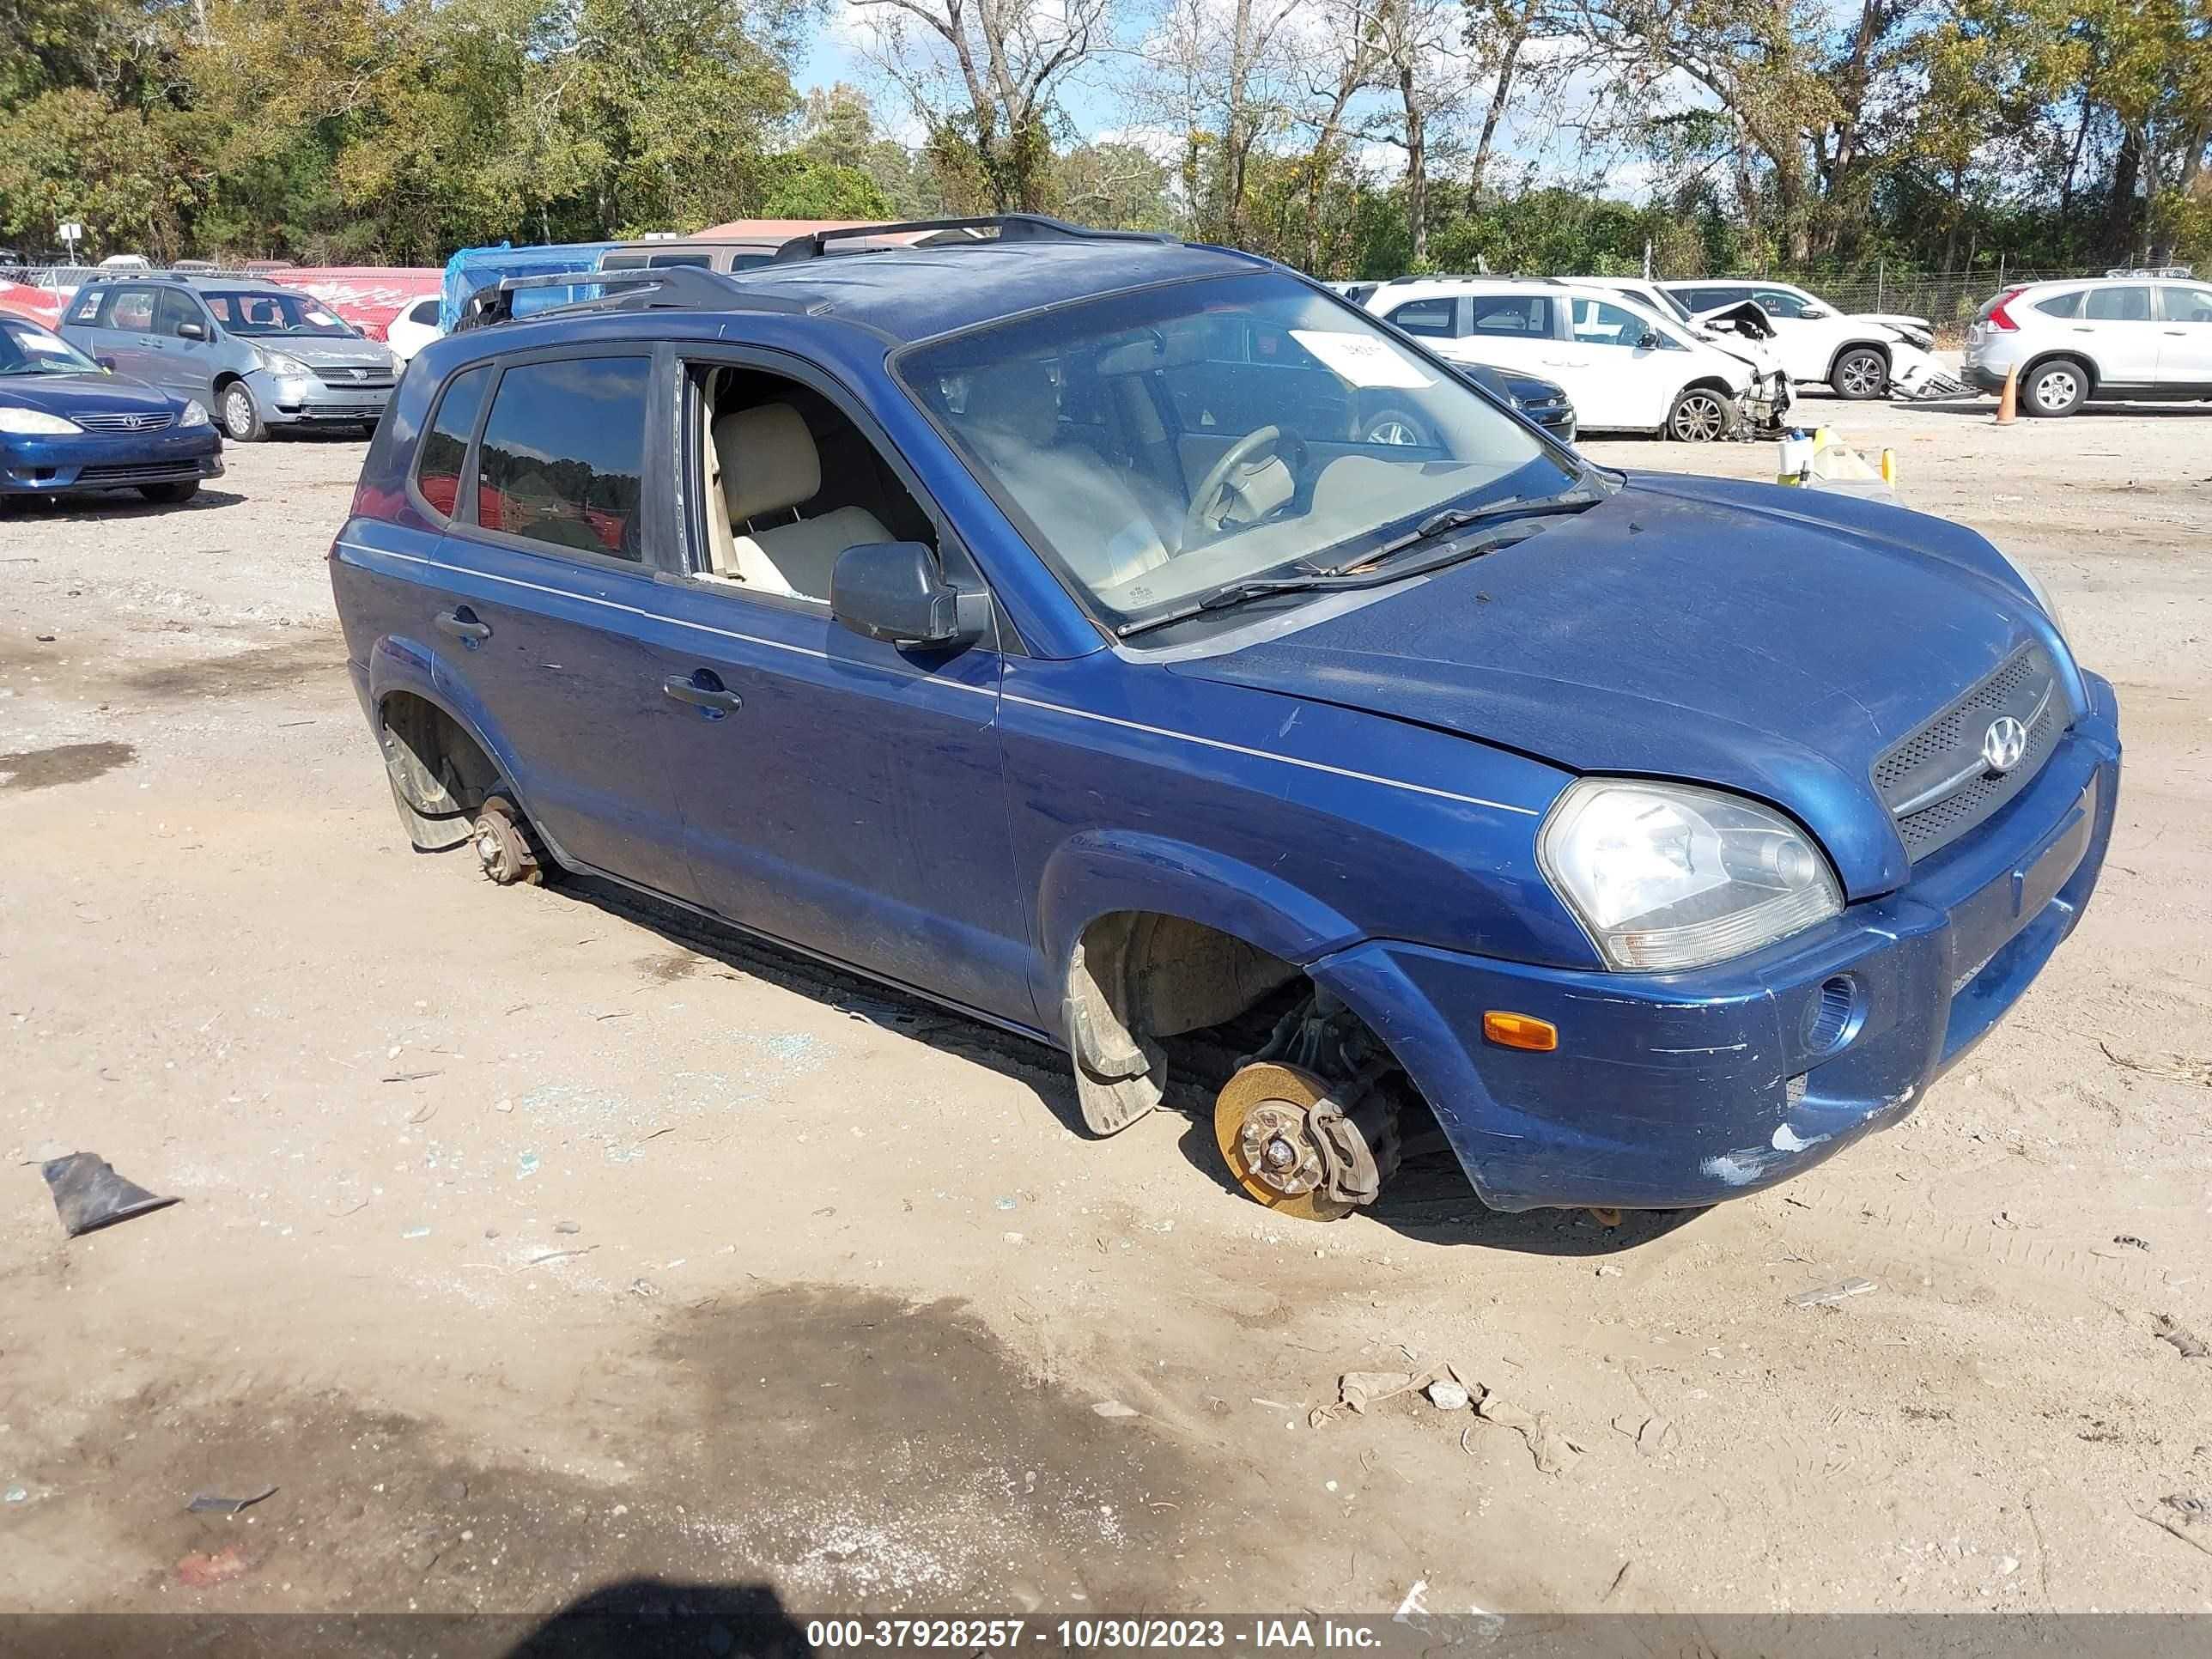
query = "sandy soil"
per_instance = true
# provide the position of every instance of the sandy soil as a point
(531, 1240)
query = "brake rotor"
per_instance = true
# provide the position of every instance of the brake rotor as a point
(1259, 1124)
(503, 845)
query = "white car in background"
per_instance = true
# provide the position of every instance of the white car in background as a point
(1858, 355)
(415, 327)
(1625, 368)
(2086, 341)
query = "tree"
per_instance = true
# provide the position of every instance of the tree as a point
(1008, 60)
(1115, 184)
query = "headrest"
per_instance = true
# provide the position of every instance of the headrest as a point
(769, 464)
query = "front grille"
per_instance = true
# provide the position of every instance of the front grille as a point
(367, 379)
(1936, 782)
(342, 412)
(149, 472)
(155, 421)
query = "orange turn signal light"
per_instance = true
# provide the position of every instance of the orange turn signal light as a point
(1520, 1032)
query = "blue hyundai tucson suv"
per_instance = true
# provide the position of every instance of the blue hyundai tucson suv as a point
(1018, 617)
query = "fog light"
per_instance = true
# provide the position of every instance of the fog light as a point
(1520, 1032)
(1831, 1018)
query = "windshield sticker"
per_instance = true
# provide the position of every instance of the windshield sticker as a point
(320, 318)
(45, 345)
(1362, 359)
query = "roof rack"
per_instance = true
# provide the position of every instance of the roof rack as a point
(692, 287)
(1011, 227)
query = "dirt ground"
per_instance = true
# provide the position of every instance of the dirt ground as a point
(530, 1241)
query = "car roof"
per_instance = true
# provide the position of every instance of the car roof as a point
(920, 293)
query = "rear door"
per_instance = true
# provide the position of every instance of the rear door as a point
(2184, 341)
(540, 583)
(115, 321)
(2117, 331)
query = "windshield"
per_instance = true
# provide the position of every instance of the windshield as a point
(1160, 446)
(258, 315)
(1672, 307)
(27, 348)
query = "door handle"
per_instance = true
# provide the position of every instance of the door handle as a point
(704, 692)
(461, 622)
(2177, 333)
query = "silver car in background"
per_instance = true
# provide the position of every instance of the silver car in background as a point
(259, 355)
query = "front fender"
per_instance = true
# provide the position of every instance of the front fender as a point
(1101, 871)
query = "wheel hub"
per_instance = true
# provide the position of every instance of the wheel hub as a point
(1278, 1150)
(1267, 1122)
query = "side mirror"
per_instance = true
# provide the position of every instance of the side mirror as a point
(892, 591)
(191, 331)
(106, 362)
(1815, 314)
(1650, 341)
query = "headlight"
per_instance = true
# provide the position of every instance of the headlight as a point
(277, 363)
(195, 413)
(2033, 583)
(1662, 876)
(35, 422)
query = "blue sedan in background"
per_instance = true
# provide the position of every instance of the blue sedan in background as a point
(68, 426)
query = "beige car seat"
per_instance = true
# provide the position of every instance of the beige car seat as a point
(766, 463)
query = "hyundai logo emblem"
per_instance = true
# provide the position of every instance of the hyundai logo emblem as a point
(2003, 745)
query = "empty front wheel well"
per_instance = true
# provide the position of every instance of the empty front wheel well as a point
(440, 775)
(1138, 976)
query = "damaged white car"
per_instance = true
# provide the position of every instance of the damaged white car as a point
(1858, 355)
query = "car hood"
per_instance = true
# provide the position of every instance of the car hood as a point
(1742, 331)
(84, 394)
(1686, 630)
(1898, 320)
(324, 352)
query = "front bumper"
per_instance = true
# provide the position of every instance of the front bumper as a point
(70, 463)
(1668, 1091)
(311, 401)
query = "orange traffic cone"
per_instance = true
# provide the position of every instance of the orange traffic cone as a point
(2009, 399)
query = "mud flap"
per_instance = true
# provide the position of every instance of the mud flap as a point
(1119, 1076)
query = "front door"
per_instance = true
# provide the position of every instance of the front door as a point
(182, 365)
(539, 586)
(1642, 378)
(839, 794)
(2184, 341)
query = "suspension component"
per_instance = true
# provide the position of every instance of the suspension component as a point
(504, 844)
(1291, 1144)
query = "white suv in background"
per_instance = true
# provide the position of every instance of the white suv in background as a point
(1625, 368)
(1859, 355)
(2090, 340)
(415, 327)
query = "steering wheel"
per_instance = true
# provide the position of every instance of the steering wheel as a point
(1211, 499)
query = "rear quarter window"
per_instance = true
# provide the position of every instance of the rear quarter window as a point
(444, 448)
(2058, 305)
(1429, 318)
(562, 457)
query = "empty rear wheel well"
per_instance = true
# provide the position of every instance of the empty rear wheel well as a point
(440, 774)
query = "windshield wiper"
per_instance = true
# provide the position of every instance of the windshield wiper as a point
(1512, 509)
(1368, 574)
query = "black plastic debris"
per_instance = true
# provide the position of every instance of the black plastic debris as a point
(207, 1502)
(88, 1194)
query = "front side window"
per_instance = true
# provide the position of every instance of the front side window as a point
(1521, 316)
(176, 309)
(1071, 419)
(27, 349)
(2128, 303)
(261, 315)
(562, 457)
(1427, 316)
(1599, 324)
(2185, 304)
(445, 447)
